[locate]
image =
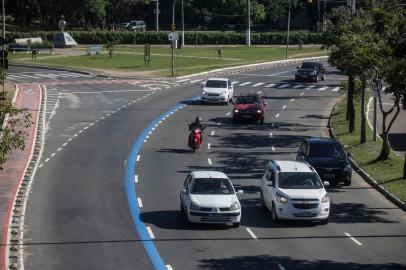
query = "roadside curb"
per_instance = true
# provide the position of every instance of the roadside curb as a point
(53, 68)
(364, 174)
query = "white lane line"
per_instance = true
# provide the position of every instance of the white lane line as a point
(284, 85)
(244, 84)
(59, 149)
(212, 133)
(40, 165)
(135, 178)
(234, 82)
(353, 239)
(322, 88)
(302, 93)
(169, 267)
(270, 134)
(63, 145)
(70, 139)
(209, 161)
(270, 85)
(151, 234)
(251, 233)
(208, 145)
(298, 86)
(75, 135)
(292, 100)
(335, 89)
(139, 202)
(47, 160)
(228, 113)
(53, 154)
(310, 87)
(277, 115)
(138, 158)
(194, 81)
(257, 84)
(273, 148)
(281, 267)
(283, 107)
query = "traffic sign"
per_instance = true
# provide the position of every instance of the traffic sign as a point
(173, 36)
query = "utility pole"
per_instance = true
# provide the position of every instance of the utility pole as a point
(183, 27)
(287, 34)
(248, 42)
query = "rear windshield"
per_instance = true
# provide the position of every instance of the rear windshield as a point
(308, 65)
(332, 150)
(216, 84)
(247, 100)
(296, 180)
(212, 186)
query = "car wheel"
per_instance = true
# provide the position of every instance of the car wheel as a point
(274, 215)
(324, 221)
(236, 224)
(262, 120)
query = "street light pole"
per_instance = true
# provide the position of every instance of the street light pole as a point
(287, 34)
(248, 42)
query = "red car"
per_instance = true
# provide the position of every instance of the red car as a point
(250, 108)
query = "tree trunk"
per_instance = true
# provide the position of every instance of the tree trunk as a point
(350, 104)
(385, 151)
(363, 136)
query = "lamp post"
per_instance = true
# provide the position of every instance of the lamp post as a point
(287, 34)
(248, 42)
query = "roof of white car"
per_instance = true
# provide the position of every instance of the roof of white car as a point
(208, 174)
(217, 79)
(292, 166)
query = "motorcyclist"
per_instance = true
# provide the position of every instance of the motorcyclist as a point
(197, 124)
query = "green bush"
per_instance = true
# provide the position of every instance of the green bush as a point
(200, 38)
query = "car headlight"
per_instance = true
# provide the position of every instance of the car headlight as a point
(235, 206)
(259, 111)
(325, 199)
(194, 206)
(281, 199)
(347, 168)
(236, 111)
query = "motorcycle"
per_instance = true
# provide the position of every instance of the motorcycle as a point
(195, 138)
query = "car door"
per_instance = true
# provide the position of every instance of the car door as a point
(184, 196)
(267, 187)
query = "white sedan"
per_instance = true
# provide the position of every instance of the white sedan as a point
(209, 197)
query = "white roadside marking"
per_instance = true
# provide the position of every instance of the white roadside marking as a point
(353, 239)
(138, 158)
(63, 145)
(270, 85)
(310, 87)
(169, 267)
(251, 233)
(284, 85)
(208, 145)
(234, 82)
(335, 89)
(70, 139)
(298, 86)
(244, 84)
(47, 160)
(53, 154)
(195, 81)
(151, 234)
(139, 202)
(283, 107)
(277, 115)
(257, 84)
(135, 178)
(59, 149)
(209, 161)
(281, 267)
(322, 88)
(302, 93)
(292, 100)
(212, 133)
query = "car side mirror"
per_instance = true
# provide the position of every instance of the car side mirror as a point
(184, 191)
(239, 192)
(326, 183)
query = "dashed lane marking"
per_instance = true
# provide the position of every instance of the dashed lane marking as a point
(298, 86)
(283, 107)
(169, 267)
(208, 145)
(284, 85)
(353, 239)
(322, 88)
(244, 84)
(292, 100)
(135, 178)
(270, 85)
(151, 234)
(251, 233)
(209, 161)
(335, 89)
(138, 158)
(277, 115)
(212, 133)
(257, 84)
(139, 202)
(302, 93)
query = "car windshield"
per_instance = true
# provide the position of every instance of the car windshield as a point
(296, 180)
(308, 65)
(332, 150)
(216, 84)
(247, 100)
(212, 186)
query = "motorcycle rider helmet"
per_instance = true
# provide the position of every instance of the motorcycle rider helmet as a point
(198, 119)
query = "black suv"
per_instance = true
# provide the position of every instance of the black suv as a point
(327, 156)
(313, 71)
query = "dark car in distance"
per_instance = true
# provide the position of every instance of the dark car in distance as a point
(329, 159)
(310, 71)
(249, 107)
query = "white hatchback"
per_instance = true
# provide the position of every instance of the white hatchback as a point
(293, 190)
(209, 197)
(217, 90)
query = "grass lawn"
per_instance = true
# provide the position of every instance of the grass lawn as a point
(387, 173)
(187, 60)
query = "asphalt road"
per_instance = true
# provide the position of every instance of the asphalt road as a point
(78, 216)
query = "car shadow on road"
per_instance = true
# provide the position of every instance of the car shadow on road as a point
(266, 262)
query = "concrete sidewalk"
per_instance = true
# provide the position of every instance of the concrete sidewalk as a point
(28, 97)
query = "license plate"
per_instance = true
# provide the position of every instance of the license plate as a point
(214, 215)
(246, 116)
(305, 214)
(329, 175)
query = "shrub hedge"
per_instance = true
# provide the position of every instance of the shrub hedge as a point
(199, 38)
